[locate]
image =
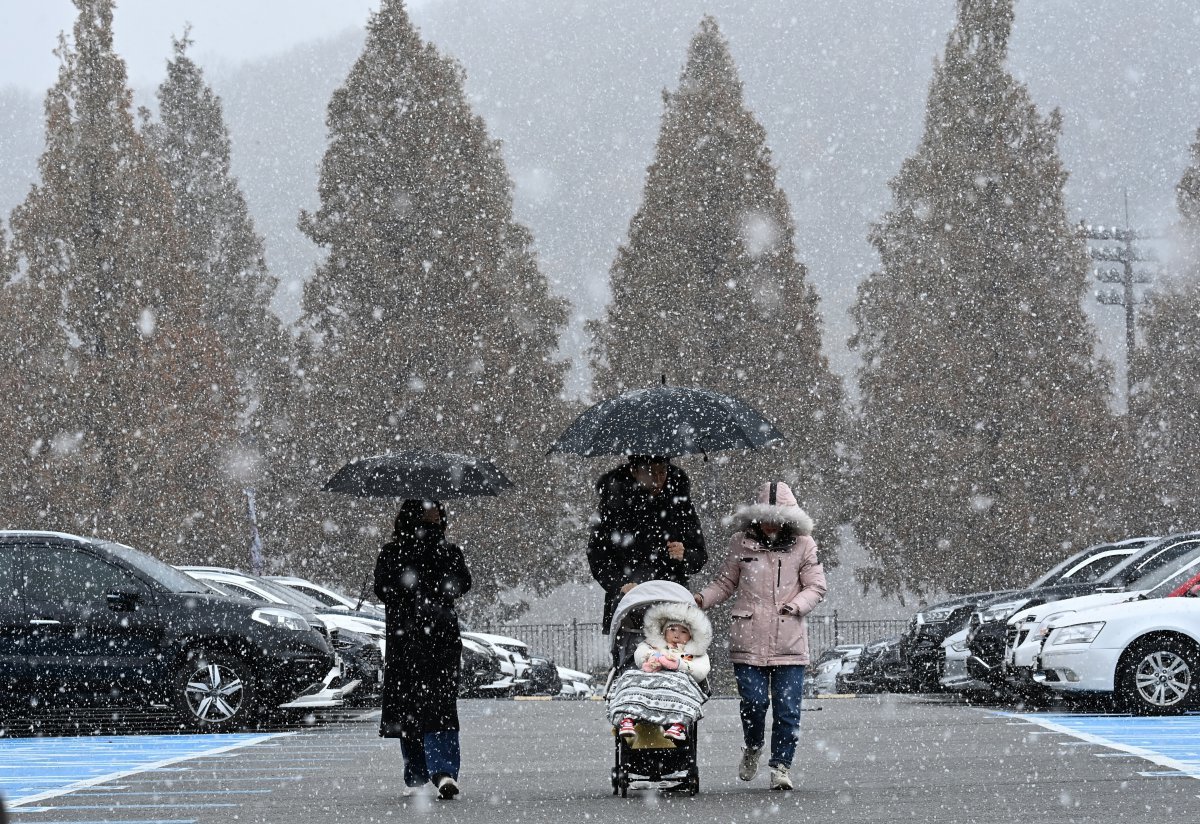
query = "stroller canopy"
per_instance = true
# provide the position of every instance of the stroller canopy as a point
(651, 592)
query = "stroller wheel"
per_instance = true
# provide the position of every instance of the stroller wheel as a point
(616, 784)
(693, 782)
(623, 784)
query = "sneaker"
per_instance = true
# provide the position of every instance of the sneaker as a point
(780, 779)
(627, 728)
(447, 788)
(676, 732)
(749, 766)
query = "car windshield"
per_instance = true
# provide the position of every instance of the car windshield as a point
(1164, 555)
(165, 574)
(1168, 577)
(316, 594)
(1092, 569)
(290, 595)
(229, 592)
(1090, 564)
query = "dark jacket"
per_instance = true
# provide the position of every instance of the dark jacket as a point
(629, 535)
(418, 577)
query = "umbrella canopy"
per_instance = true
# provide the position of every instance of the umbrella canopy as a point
(416, 473)
(667, 420)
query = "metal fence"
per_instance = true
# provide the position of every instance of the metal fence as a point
(825, 631)
(582, 646)
(579, 645)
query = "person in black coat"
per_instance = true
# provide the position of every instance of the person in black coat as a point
(645, 529)
(418, 576)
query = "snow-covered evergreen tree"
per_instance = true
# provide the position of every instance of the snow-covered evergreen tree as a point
(985, 439)
(222, 247)
(124, 423)
(1166, 401)
(428, 323)
(220, 242)
(707, 291)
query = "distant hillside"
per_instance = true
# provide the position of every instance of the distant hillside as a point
(573, 91)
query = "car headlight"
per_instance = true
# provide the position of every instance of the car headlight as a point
(934, 616)
(1002, 611)
(282, 618)
(1077, 633)
(1044, 628)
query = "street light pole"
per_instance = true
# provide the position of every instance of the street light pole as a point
(256, 556)
(1126, 254)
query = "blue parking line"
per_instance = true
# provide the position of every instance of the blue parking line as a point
(1172, 741)
(35, 769)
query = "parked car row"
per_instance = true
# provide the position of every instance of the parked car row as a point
(493, 665)
(90, 621)
(87, 621)
(1119, 620)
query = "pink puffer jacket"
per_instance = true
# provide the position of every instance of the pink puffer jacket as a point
(775, 586)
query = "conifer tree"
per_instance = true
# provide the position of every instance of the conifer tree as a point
(428, 324)
(707, 291)
(984, 434)
(1166, 401)
(221, 245)
(125, 430)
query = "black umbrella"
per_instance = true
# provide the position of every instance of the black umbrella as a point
(416, 473)
(667, 420)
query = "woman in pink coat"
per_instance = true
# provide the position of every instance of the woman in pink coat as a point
(774, 575)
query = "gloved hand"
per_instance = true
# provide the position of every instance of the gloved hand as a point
(651, 665)
(669, 662)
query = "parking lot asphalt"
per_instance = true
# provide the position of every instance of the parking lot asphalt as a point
(868, 759)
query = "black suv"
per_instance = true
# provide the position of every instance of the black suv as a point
(89, 620)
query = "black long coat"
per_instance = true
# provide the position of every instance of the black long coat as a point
(417, 579)
(628, 541)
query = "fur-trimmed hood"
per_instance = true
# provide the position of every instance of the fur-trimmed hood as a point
(774, 503)
(659, 615)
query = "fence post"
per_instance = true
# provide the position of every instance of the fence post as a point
(837, 635)
(575, 643)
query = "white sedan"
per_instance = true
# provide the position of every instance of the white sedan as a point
(1029, 627)
(1144, 653)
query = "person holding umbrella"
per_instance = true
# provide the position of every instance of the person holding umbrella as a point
(645, 529)
(418, 576)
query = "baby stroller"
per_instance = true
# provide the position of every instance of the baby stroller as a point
(651, 756)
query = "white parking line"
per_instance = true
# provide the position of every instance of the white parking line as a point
(1167, 742)
(74, 779)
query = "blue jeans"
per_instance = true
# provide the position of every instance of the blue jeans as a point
(435, 753)
(761, 687)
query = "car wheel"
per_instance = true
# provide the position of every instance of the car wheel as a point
(213, 691)
(1158, 675)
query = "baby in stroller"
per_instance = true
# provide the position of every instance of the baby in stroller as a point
(663, 684)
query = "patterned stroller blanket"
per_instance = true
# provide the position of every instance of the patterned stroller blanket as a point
(661, 697)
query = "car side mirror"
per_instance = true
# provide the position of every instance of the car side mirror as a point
(123, 600)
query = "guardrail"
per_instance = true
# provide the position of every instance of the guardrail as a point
(582, 646)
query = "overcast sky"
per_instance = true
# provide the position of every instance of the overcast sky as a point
(225, 31)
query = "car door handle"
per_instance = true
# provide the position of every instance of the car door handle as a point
(44, 621)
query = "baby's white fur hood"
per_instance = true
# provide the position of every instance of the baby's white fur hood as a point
(659, 615)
